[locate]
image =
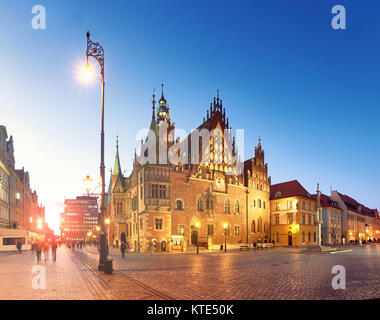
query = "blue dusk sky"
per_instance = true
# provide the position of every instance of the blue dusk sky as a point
(311, 92)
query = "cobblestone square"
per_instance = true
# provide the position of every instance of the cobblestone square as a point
(276, 274)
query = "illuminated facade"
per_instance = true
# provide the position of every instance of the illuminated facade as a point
(19, 207)
(172, 207)
(359, 223)
(80, 217)
(293, 211)
(332, 220)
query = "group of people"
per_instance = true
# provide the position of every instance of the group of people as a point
(45, 246)
(72, 245)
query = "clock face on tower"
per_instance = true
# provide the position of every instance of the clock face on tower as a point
(219, 182)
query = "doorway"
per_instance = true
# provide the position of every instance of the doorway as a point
(290, 238)
(194, 236)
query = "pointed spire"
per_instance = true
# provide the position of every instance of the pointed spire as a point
(108, 197)
(154, 105)
(162, 100)
(259, 141)
(217, 96)
(117, 167)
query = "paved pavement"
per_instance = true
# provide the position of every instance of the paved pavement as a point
(280, 273)
(68, 278)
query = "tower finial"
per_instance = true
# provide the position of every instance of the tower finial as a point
(217, 95)
(162, 101)
(259, 141)
(117, 142)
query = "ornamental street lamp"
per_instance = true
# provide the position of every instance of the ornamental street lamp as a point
(94, 49)
(197, 225)
(88, 184)
(246, 217)
(225, 236)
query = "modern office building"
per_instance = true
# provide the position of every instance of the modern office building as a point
(80, 217)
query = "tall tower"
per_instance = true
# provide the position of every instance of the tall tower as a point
(163, 109)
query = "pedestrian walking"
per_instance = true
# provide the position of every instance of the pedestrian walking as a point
(73, 246)
(122, 248)
(19, 246)
(54, 250)
(33, 247)
(46, 250)
(38, 247)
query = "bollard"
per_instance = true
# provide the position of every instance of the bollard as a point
(108, 266)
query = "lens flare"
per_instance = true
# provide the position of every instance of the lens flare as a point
(86, 74)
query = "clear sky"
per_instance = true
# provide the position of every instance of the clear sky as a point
(311, 92)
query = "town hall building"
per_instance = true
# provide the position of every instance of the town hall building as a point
(207, 197)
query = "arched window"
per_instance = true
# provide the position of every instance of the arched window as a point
(179, 204)
(259, 225)
(227, 206)
(200, 203)
(119, 207)
(237, 207)
(315, 239)
(261, 187)
(309, 236)
(265, 227)
(259, 203)
(253, 227)
(254, 202)
(209, 204)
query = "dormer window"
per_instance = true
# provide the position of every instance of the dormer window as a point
(278, 194)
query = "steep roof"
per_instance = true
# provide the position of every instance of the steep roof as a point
(355, 206)
(117, 169)
(108, 198)
(288, 189)
(326, 201)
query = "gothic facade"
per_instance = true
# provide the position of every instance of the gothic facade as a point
(197, 190)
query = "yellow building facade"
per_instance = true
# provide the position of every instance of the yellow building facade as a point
(293, 215)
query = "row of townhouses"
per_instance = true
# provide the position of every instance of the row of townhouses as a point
(21, 215)
(168, 207)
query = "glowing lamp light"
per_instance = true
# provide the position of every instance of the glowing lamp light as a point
(94, 236)
(89, 234)
(97, 228)
(107, 221)
(197, 224)
(350, 233)
(39, 220)
(86, 74)
(225, 226)
(39, 227)
(295, 228)
(31, 219)
(87, 184)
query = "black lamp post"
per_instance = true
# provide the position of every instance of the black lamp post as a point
(197, 225)
(94, 49)
(225, 237)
